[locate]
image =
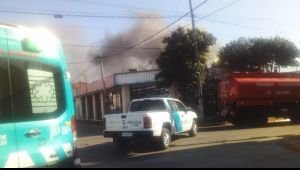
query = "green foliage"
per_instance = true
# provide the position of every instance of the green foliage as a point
(258, 54)
(179, 65)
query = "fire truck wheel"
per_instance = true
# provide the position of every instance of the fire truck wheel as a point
(295, 118)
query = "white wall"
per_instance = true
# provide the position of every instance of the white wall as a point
(102, 105)
(78, 108)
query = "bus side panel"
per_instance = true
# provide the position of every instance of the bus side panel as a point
(54, 144)
(70, 111)
(8, 150)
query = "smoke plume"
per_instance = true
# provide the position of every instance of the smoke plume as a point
(142, 57)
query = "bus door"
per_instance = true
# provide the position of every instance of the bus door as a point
(8, 149)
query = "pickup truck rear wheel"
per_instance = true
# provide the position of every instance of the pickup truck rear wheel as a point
(165, 139)
(193, 132)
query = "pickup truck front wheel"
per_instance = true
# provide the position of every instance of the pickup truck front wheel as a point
(165, 139)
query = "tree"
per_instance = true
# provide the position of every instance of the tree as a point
(178, 64)
(259, 54)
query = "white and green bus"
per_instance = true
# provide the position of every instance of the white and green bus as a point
(37, 125)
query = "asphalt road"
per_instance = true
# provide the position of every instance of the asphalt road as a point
(221, 146)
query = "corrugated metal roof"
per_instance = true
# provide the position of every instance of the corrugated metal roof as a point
(136, 77)
(117, 79)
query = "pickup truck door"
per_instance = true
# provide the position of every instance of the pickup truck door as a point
(176, 116)
(185, 117)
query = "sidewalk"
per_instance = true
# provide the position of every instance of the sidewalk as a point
(216, 121)
(292, 143)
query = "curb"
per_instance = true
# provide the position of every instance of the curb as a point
(292, 143)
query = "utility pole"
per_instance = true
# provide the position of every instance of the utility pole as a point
(86, 99)
(86, 88)
(200, 99)
(100, 61)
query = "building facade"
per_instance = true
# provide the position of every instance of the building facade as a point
(93, 101)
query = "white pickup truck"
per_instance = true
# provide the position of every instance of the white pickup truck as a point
(154, 118)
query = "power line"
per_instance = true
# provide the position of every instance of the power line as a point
(264, 20)
(108, 47)
(85, 16)
(226, 23)
(236, 25)
(79, 27)
(201, 18)
(153, 35)
(247, 27)
(83, 72)
(160, 31)
(120, 6)
(48, 11)
(218, 10)
(79, 62)
(150, 37)
(214, 12)
(97, 46)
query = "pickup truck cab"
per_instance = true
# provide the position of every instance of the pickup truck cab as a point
(154, 118)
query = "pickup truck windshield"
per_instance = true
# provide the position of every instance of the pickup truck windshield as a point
(147, 105)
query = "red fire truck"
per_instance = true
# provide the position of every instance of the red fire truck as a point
(251, 97)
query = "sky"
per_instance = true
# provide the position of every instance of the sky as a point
(88, 23)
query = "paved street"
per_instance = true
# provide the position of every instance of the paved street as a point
(223, 146)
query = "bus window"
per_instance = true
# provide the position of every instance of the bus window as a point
(43, 92)
(5, 100)
(38, 90)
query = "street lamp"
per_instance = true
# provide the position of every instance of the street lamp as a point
(58, 16)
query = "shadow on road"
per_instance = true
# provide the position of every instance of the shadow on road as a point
(228, 127)
(229, 153)
(100, 153)
(84, 130)
(241, 154)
